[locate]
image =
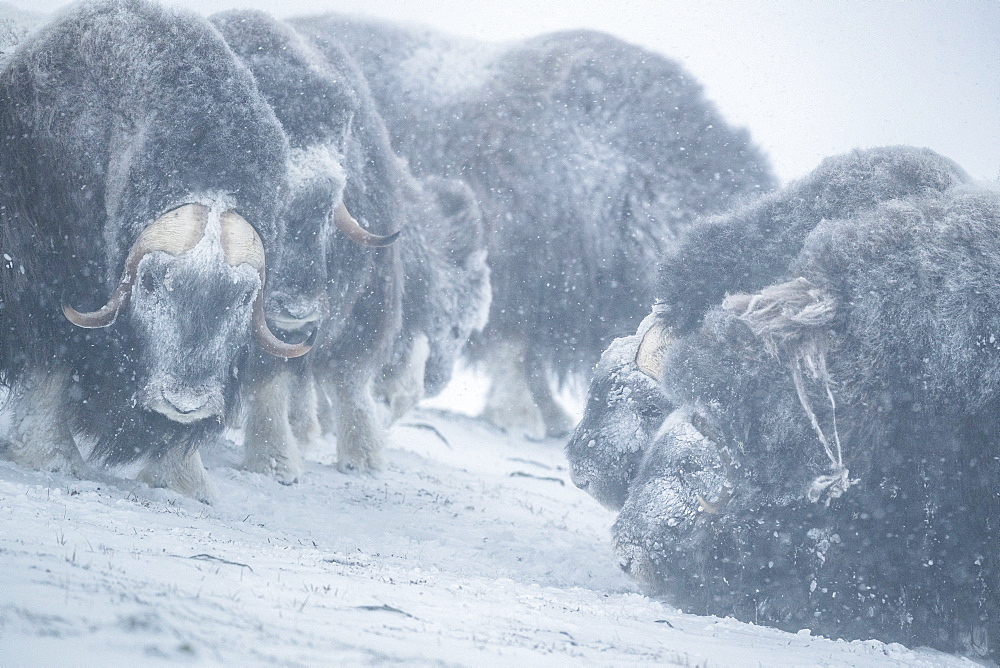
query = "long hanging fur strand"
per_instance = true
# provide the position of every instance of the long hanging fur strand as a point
(792, 320)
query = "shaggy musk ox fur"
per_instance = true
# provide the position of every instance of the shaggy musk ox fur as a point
(833, 461)
(586, 155)
(340, 157)
(408, 306)
(741, 251)
(748, 248)
(118, 120)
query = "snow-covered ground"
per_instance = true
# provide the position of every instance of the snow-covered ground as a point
(471, 548)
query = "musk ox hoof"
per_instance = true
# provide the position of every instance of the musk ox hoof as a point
(286, 470)
(58, 457)
(366, 465)
(360, 451)
(70, 462)
(181, 472)
(36, 429)
(638, 565)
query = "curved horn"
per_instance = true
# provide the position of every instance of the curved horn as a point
(240, 241)
(716, 507)
(652, 348)
(352, 230)
(174, 232)
(103, 316)
(266, 339)
(242, 245)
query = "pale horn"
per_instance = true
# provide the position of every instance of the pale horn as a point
(242, 245)
(652, 350)
(174, 232)
(352, 230)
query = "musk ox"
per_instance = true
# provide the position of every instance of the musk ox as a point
(446, 292)
(744, 250)
(832, 462)
(396, 314)
(586, 155)
(140, 175)
(340, 274)
(342, 161)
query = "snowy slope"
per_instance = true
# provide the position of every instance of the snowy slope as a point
(472, 548)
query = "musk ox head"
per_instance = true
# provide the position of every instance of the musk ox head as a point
(682, 484)
(330, 126)
(191, 294)
(625, 409)
(299, 300)
(466, 293)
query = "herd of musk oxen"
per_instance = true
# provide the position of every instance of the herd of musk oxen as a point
(297, 228)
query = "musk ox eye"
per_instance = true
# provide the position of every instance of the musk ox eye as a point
(247, 297)
(651, 412)
(148, 281)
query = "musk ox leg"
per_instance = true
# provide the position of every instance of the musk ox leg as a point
(326, 415)
(509, 404)
(360, 438)
(269, 445)
(181, 471)
(38, 433)
(558, 423)
(403, 385)
(303, 410)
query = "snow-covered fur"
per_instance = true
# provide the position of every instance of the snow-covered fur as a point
(748, 248)
(744, 250)
(446, 291)
(839, 474)
(625, 409)
(340, 153)
(587, 156)
(113, 114)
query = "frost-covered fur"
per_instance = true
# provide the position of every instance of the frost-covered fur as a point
(745, 250)
(748, 248)
(113, 114)
(625, 408)
(181, 471)
(586, 155)
(902, 546)
(36, 432)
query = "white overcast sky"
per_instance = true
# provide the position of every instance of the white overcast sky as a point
(808, 78)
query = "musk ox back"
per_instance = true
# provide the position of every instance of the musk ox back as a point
(832, 463)
(749, 247)
(587, 155)
(140, 169)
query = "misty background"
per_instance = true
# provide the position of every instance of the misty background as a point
(809, 79)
